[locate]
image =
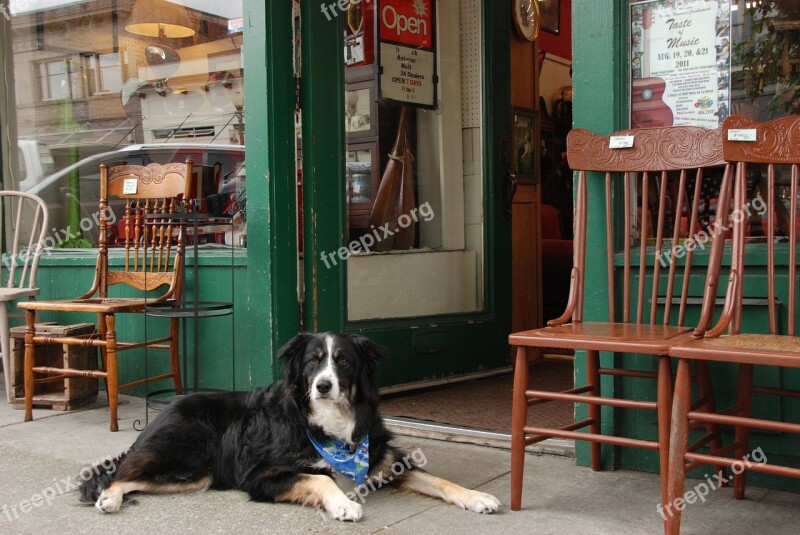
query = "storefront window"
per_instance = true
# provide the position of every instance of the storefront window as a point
(698, 61)
(122, 81)
(413, 159)
(695, 62)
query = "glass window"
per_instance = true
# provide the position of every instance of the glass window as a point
(698, 61)
(106, 81)
(413, 159)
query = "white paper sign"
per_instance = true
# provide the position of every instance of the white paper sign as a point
(130, 186)
(408, 74)
(680, 56)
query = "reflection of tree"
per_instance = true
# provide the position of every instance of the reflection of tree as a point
(770, 54)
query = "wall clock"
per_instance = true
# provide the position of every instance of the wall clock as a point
(526, 18)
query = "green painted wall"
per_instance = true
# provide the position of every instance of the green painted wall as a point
(224, 342)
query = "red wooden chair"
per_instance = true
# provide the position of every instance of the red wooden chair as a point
(773, 156)
(650, 184)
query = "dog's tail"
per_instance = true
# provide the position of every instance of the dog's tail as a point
(94, 480)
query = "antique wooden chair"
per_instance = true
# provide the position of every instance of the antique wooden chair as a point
(152, 259)
(24, 220)
(774, 155)
(656, 183)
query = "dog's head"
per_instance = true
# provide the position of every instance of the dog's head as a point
(333, 368)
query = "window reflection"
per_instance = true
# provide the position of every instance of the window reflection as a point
(113, 81)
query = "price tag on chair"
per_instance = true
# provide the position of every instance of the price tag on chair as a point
(129, 186)
(620, 142)
(742, 134)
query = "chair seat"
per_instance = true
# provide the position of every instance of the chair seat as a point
(625, 337)
(10, 294)
(95, 305)
(766, 349)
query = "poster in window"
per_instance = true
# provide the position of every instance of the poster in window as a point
(407, 52)
(680, 63)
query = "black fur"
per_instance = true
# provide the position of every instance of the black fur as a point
(255, 441)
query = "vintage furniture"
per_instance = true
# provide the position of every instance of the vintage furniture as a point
(152, 257)
(24, 220)
(655, 175)
(772, 156)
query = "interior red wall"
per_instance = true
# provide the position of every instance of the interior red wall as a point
(559, 45)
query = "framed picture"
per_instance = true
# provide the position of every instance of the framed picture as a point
(524, 155)
(548, 12)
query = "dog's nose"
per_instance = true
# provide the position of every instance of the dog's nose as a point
(324, 386)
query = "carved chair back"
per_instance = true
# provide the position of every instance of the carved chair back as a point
(666, 188)
(155, 197)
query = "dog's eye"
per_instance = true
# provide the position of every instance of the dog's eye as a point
(343, 362)
(314, 359)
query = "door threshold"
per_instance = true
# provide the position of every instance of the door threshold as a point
(451, 433)
(428, 383)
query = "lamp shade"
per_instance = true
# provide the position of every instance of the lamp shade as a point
(158, 18)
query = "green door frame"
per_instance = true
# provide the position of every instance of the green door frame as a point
(599, 77)
(473, 341)
(271, 187)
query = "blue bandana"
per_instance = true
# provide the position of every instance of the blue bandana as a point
(353, 465)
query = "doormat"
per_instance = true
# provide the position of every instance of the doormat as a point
(486, 403)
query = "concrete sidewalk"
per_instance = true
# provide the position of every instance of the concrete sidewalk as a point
(45, 457)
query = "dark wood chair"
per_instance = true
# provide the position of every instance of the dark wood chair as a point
(774, 155)
(655, 187)
(152, 260)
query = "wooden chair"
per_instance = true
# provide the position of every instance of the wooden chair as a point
(153, 259)
(24, 220)
(774, 153)
(662, 179)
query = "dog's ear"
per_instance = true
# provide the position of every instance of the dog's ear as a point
(366, 401)
(292, 355)
(369, 351)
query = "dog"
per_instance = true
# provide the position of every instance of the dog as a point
(282, 443)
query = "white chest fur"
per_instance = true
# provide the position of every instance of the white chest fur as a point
(336, 420)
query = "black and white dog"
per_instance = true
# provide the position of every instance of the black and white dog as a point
(281, 443)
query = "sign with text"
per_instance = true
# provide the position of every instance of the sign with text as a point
(680, 63)
(407, 52)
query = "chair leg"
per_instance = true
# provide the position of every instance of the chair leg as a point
(30, 357)
(174, 355)
(112, 379)
(678, 444)
(5, 347)
(519, 417)
(664, 403)
(101, 328)
(593, 379)
(742, 433)
(706, 391)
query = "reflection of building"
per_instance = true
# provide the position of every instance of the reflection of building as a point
(72, 64)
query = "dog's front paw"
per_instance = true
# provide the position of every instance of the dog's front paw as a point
(109, 501)
(480, 502)
(341, 508)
